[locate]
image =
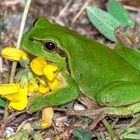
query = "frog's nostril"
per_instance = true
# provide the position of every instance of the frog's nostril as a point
(32, 39)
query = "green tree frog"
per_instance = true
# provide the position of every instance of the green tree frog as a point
(111, 77)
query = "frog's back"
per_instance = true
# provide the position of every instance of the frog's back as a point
(94, 65)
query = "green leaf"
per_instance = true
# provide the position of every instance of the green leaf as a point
(83, 135)
(100, 136)
(132, 136)
(2, 102)
(22, 134)
(37, 124)
(120, 13)
(103, 21)
(132, 129)
(25, 135)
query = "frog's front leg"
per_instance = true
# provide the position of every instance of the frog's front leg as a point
(119, 93)
(62, 95)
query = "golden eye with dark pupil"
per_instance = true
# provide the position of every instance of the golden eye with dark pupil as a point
(50, 46)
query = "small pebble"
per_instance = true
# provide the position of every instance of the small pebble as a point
(79, 107)
(62, 119)
(9, 131)
(60, 122)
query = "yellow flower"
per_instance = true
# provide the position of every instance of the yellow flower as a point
(37, 65)
(50, 71)
(43, 88)
(33, 86)
(6, 89)
(40, 67)
(13, 54)
(18, 98)
(55, 83)
(22, 103)
(47, 115)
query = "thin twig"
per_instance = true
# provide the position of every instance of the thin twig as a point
(9, 3)
(81, 11)
(131, 8)
(63, 11)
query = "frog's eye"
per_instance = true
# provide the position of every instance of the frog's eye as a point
(50, 46)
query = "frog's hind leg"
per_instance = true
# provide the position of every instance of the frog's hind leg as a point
(119, 93)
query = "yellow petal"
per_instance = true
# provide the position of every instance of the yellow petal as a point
(18, 100)
(12, 97)
(50, 71)
(33, 86)
(37, 65)
(7, 139)
(47, 115)
(21, 105)
(13, 54)
(55, 83)
(6, 89)
(42, 80)
(43, 89)
(20, 95)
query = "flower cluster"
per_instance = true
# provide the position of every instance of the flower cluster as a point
(37, 76)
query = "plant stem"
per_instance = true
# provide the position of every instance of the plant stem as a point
(134, 121)
(109, 128)
(1, 111)
(14, 64)
(23, 21)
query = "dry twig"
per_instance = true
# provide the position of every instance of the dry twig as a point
(81, 10)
